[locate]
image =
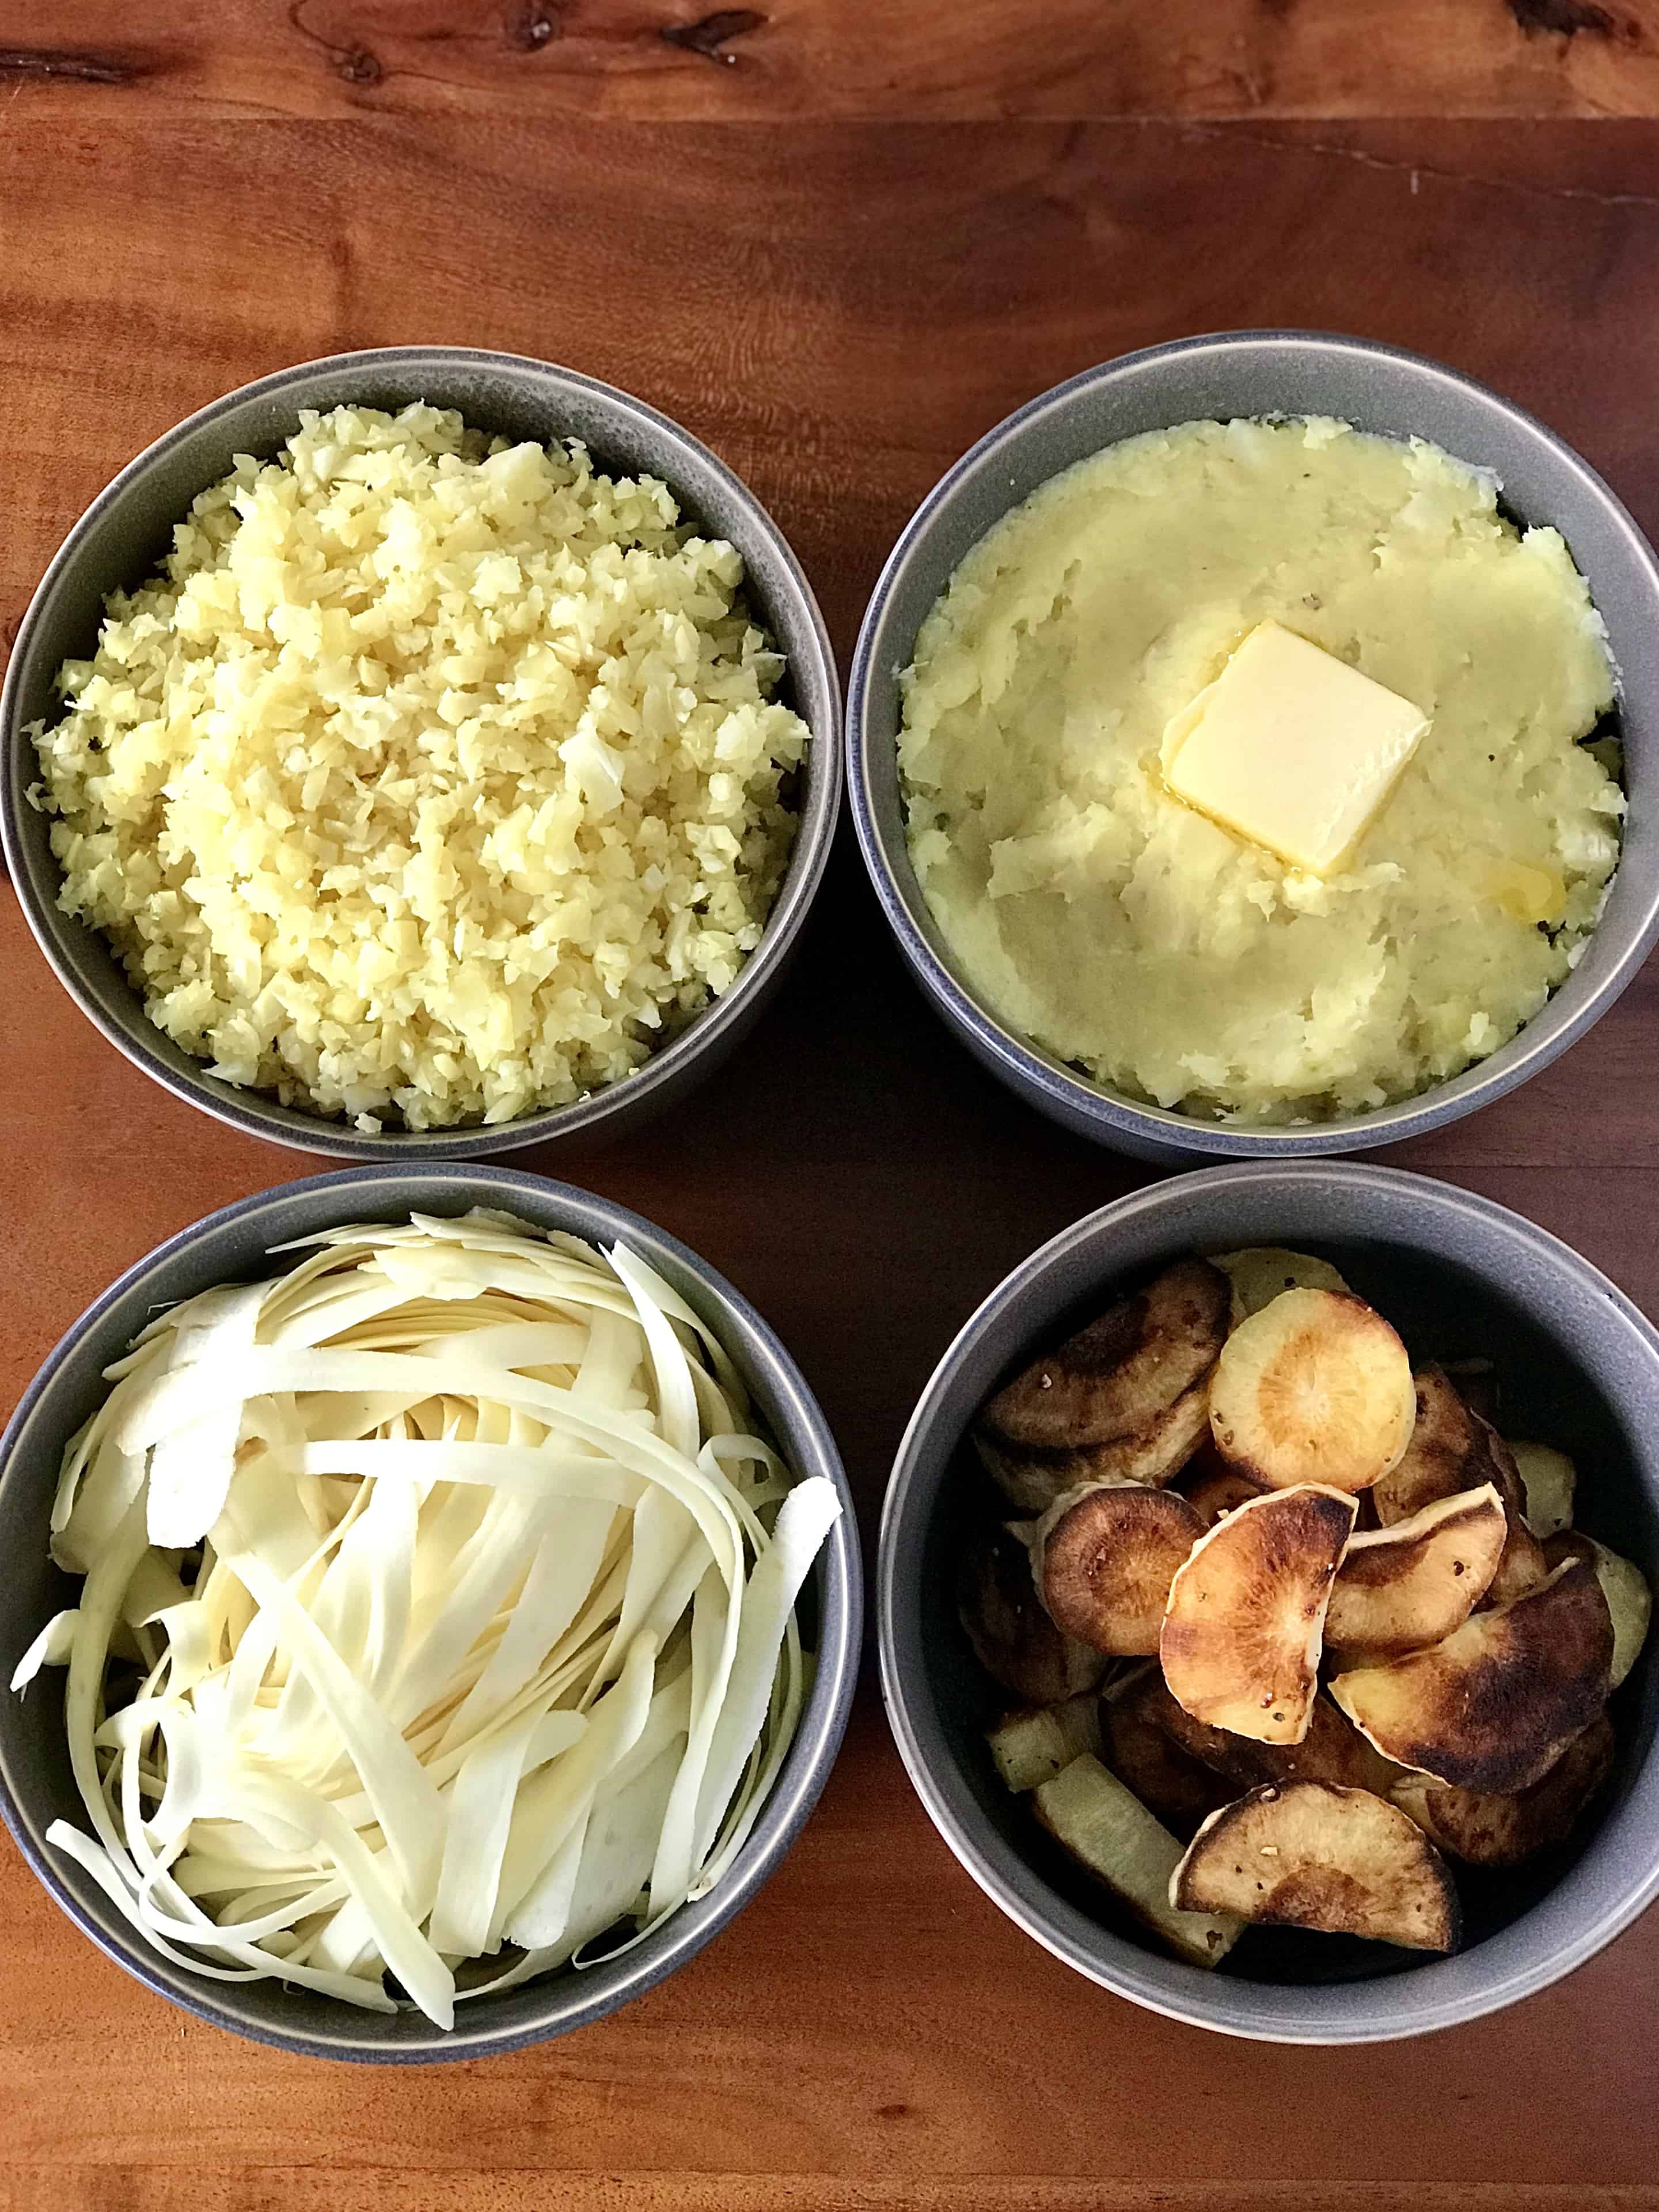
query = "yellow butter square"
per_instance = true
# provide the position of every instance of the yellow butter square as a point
(1291, 748)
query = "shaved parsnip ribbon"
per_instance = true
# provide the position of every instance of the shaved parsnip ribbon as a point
(464, 1598)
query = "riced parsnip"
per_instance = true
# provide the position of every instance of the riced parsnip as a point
(434, 779)
(438, 1618)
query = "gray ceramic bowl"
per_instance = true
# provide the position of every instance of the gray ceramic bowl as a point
(127, 529)
(35, 1783)
(1578, 1365)
(1251, 373)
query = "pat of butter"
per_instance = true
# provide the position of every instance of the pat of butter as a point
(1291, 748)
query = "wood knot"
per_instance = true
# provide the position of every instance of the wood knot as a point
(531, 27)
(710, 35)
(1564, 19)
(351, 63)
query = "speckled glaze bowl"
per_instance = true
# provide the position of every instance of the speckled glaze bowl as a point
(1578, 1365)
(127, 529)
(36, 1787)
(1254, 372)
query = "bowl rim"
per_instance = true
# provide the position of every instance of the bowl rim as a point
(254, 1112)
(1110, 1115)
(824, 1715)
(1338, 2013)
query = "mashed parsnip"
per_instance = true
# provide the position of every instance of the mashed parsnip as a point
(434, 780)
(1126, 934)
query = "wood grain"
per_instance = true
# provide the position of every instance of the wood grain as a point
(839, 307)
(847, 59)
(281, 2189)
(871, 2022)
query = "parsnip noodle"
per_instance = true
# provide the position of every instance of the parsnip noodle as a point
(439, 1608)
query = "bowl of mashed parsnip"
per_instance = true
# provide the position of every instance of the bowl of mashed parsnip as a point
(1250, 742)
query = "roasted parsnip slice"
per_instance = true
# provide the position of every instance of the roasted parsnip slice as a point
(1305, 1855)
(1013, 1638)
(1402, 1588)
(1032, 1476)
(1211, 1488)
(1331, 1751)
(1522, 1565)
(1453, 1451)
(1490, 1829)
(1314, 1387)
(1114, 1378)
(1242, 1633)
(1495, 1705)
(1548, 1479)
(1104, 1556)
(1034, 1746)
(1630, 1600)
(1262, 1272)
(1116, 1401)
(1108, 1831)
(1179, 1789)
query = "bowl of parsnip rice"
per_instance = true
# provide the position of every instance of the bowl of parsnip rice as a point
(422, 752)
(433, 1611)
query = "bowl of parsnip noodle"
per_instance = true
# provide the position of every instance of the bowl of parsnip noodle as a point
(434, 1610)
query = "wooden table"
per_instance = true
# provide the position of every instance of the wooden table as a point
(838, 238)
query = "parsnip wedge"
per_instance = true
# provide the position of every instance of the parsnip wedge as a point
(1104, 1556)
(1490, 1829)
(1630, 1600)
(1013, 1638)
(1402, 1588)
(1495, 1705)
(1241, 1637)
(1032, 1746)
(1307, 1855)
(1314, 1387)
(1262, 1271)
(1548, 1479)
(1118, 1401)
(1109, 1831)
